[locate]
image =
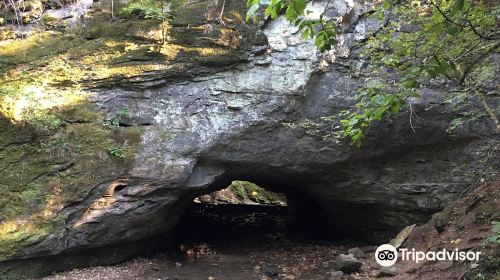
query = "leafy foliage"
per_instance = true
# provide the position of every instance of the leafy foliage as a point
(147, 9)
(151, 9)
(489, 268)
(116, 151)
(320, 30)
(423, 42)
(495, 237)
(374, 102)
(115, 122)
(449, 40)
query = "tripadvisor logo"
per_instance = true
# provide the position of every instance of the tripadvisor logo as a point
(387, 255)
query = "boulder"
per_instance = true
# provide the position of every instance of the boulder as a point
(388, 271)
(270, 270)
(347, 263)
(356, 252)
(441, 219)
(335, 275)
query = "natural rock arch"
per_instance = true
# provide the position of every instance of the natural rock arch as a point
(198, 123)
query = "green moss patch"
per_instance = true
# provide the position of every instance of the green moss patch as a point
(40, 174)
(55, 146)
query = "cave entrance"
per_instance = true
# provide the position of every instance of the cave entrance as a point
(247, 215)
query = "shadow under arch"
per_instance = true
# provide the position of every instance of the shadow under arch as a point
(302, 218)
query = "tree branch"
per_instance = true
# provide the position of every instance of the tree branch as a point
(490, 112)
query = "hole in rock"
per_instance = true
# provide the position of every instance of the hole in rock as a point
(241, 232)
(246, 216)
(236, 213)
(119, 188)
(248, 232)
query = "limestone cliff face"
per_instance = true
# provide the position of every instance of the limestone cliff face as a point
(155, 126)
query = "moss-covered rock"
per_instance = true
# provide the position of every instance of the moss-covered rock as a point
(441, 219)
(42, 173)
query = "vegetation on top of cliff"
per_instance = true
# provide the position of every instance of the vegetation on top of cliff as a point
(48, 71)
(427, 43)
(244, 192)
(144, 9)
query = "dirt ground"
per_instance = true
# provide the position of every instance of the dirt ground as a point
(464, 225)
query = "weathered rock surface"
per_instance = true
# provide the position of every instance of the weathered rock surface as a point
(356, 252)
(386, 272)
(347, 263)
(198, 118)
(335, 275)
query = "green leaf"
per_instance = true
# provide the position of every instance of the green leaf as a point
(414, 94)
(274, 8)
(458, 6)
(386, 5)
(357, 136)
(378, 113)
(353, 121)
(395, 107)
(453, 29)
(291, 14)
(410, 83)
(442, 67)
(251, 12)
(299, 6)
(495, 228)
(431, 71)
(318, 41)
(437, 69)
(380, 16)
(251, 3)
(306, 33)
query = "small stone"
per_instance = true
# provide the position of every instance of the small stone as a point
(256, 268)
(178, 264)
(347, 263)
(411, 270)
(386, 271)
(211, 278)
(356, 252)
(270, 270)
(334, 275)
(441, 219)
(368, 249)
